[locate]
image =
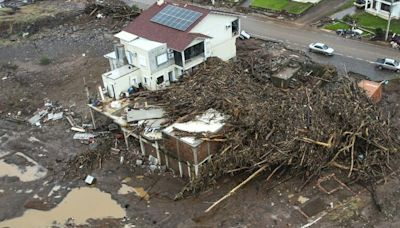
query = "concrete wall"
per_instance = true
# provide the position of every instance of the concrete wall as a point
(222, 43)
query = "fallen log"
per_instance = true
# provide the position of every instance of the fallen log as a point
(262, 168)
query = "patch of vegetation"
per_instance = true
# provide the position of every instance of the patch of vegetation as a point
(277, 5)
(297, 7)
(9, 66)
(337, 25)
(282, 5)
(44, 61)
(372, 22)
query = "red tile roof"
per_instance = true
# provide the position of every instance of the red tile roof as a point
(175, 39)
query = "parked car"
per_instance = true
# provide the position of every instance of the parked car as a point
(389, 64)
(321, 48)
(350, 33)
(361, 4)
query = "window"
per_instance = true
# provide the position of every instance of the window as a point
(235, 27)
(160, 79)
(194, 51)
(131, 56)
(145, 80)
(385, 7)
(162, 59)
(170, 76)
(178, 58)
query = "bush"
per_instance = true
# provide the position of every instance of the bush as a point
(45, 61)
(379, 32)
(347, 18)
(9, 66)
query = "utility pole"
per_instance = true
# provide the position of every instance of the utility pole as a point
(389, 19)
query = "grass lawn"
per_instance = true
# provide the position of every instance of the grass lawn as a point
(337, 25)
(371, 22)
(282, 5)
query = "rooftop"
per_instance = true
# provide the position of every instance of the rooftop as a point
(145, 44)
(210, 121)
(121, 71)
(178, 40)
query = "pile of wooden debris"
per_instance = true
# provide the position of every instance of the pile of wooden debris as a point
(321, 120)
(114, 8)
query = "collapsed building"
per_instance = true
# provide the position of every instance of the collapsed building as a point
(271, 107)
(156, 49)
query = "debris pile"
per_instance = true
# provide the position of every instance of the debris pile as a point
(321, 120)
(51, 111)
(115, 9)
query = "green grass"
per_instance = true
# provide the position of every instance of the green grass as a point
(277, 5)
(297, 7)
(44, 60)
(337, 25)
(282, 5)
(372, 22)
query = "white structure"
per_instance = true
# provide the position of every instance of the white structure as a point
(381, 8)
(306, 1)
(165, 41)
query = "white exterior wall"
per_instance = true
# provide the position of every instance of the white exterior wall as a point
(382, 13)
(219, 28)
(152, 79)
(116, 86)
(150, 71)
(396, 10)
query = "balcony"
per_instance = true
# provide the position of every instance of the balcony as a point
(194, 61)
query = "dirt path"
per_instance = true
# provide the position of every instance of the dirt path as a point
(324, 8)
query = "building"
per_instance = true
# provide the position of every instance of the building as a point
(166, 41)
(382, 8)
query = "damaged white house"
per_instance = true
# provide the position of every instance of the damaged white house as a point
(165, 41)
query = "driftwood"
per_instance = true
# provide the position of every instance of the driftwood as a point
(231, 192)
(320, 121)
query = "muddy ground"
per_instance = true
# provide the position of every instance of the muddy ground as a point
(74, 50)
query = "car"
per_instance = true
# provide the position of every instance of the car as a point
(389, 64)
(321, 48)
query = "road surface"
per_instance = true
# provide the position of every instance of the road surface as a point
(322, 9)
(352, 55)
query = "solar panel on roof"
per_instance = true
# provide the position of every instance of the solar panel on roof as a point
(176, 17)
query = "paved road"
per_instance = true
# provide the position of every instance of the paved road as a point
(354, 55)
(322, 9)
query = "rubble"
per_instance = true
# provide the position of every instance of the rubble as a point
(321, 120)
(116, 9)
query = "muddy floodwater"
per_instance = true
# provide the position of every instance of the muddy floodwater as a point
(80, 204)
(26, 173)
(139, 191)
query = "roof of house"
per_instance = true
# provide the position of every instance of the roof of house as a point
(142, 26)
(210, 121)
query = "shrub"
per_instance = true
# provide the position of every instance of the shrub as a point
(45, 61)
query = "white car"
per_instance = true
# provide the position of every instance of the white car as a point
(321, 48)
